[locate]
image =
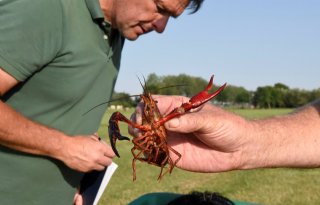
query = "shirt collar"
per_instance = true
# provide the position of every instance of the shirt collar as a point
(95, 9)
(98, 16)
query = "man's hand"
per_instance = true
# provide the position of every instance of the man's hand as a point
(78, 200)
(208, 138)
(86, 153)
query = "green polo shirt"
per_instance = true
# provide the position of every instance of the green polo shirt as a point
(66, 65)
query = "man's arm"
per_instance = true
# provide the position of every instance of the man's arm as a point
(82, 153)
(286, 141)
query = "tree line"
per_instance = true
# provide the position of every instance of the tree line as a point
(276, 96)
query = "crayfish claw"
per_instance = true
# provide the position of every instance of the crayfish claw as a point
(204, 96)
(114, 131)
(113, 139)
(123, 138)
(113, 146)
(114, 134)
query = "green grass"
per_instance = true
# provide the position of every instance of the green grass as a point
(264, 186)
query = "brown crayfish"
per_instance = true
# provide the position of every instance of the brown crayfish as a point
(151, 146)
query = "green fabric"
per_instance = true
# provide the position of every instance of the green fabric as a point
(66, 67)
(163, 198)
(155, 199)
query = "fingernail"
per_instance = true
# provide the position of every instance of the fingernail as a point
(174, 123)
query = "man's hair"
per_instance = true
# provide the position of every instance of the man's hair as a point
(195, 5)
(201, 198)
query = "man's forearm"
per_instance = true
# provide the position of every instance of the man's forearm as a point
(18, 132)
(286, 141)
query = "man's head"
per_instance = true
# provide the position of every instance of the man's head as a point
(136, 17)
(201, 198)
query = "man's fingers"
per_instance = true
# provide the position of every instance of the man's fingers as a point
(78, 200)
(136, 118)
(186, 123)
(109, 152)
(104, 161)
(167, 103)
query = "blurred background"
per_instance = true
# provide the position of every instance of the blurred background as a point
(246, 43)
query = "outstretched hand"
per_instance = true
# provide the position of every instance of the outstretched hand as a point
(207, 138)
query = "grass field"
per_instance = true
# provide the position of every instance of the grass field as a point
(264, 186)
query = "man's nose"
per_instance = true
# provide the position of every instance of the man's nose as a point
(161, 23)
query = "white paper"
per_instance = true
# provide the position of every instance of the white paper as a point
(106, 178)
(94, 183)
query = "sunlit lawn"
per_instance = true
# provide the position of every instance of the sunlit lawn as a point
(265, 186)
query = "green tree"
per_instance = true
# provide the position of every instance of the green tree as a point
(152, 83)
(243, 96)
(234, 95)
(281, 86)
(314, 94)
(263, 97)
(296, 98)
(279, 93)
(175, 85)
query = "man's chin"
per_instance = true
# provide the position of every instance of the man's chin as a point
(131, 39)
(131, 36)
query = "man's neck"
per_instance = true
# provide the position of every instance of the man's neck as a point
(106, 6)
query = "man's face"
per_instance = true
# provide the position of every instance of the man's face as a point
(136, 17)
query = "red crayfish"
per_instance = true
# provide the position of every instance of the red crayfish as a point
(151, 146)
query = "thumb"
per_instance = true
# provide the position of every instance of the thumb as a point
(184, 124)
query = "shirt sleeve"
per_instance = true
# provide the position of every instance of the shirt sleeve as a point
(30, 35)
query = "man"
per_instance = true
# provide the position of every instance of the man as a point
(58, 59)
